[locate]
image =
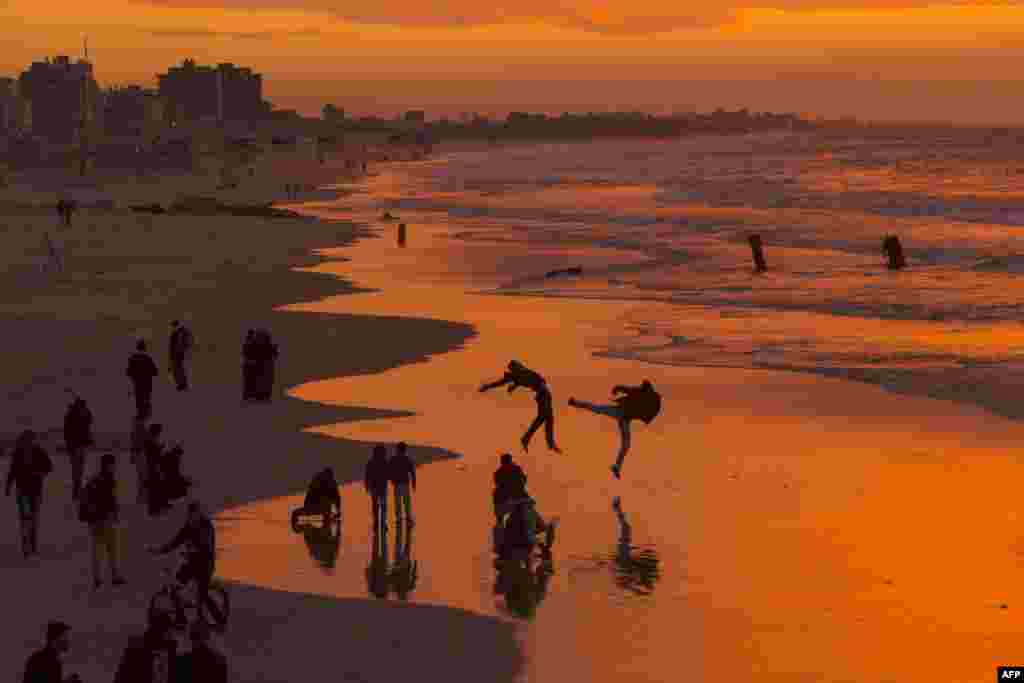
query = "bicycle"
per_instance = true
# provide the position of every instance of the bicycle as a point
(170, 598)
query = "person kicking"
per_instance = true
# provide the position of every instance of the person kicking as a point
(630, 403)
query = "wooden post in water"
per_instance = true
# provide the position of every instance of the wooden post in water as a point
(894, 251)
(757, 250)
(401, 234)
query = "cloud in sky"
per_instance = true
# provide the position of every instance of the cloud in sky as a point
(606, 17)
(234, 35)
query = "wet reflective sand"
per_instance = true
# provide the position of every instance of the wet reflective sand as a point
(771, 525)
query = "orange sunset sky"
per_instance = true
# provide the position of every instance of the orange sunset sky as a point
(879, 59)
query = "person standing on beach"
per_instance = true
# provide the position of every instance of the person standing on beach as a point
(141, 370)
(179, 345)
(402, 472)
(139, 437)
(153, 453)
(45, 665)
(30, 465)
(99, 509)
(77, 438)
(634, 403)
(509, 484)
(376, 483)
(518, 375)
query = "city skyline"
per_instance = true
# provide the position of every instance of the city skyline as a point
(866, 59)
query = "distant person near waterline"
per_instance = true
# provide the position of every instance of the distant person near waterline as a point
(402, 473)
(518, 375)
(322, 495)
(141, 370)
(635, 403)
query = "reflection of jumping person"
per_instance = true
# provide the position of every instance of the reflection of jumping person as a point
(518, 375)
(636, 403)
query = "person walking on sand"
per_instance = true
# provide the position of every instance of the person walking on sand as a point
(634, 403)
(179, 346)
(518, 375)
(77, 438)
(30, 465)
(141, 370)
(99, 509)
(46, 665)
(376, 483)
(153, 453)
(402, 472)
(139, 437)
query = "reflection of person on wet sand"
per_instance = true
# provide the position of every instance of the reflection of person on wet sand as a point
(404, 570)
(377, 574)
(635, 403)
(524, 585)
(323, 540)
(518, 375)
(637, 571)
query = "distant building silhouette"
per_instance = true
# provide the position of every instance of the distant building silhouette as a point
(223, 93)
(65, 99)
(415, 116)
(134, 111)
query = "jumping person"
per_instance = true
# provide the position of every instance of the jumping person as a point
(518, 375)
(635, 403)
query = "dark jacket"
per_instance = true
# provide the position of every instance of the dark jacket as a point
(137, 663)
(178, 345)
(637, 403)
(28, 470)
(402, 470)
(141, 368)
(324, 487)
(104, 487)
(509, 482)
(44, 667)
(78, 425)
(201, 538)
(203, 665)
(377, 476)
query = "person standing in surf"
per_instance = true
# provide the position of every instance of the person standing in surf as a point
(518, 375)
(630, 403)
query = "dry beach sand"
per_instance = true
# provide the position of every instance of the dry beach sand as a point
(128, 275)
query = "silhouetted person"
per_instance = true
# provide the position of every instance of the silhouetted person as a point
(402, 473)
(179, 346)
(45, 665)
(199, 536)
(522, 527)
(635, 403)
(141, 370)
(203, 664)
(153, 454)
(518, 375)
(637, 570)
(404, 570)
(509, 484)
(139, 437)
(151, 658)
(100, 511)
(174, 483)
(523, 583)
(30, 465)
(322, 494)
(376, 481)
(259, 354)
(65, 208)
(77, 438)
(378, 577)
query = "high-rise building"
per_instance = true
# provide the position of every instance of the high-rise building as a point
(15, 110)
(65, 99)
(134, 111)
(223, 93)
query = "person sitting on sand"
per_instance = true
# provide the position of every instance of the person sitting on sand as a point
(322, 494)
(518, 375)
(635, 403)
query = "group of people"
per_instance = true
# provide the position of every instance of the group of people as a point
(629, 403)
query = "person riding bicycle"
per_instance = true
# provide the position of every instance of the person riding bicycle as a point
(323, 494)
(199, 535)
